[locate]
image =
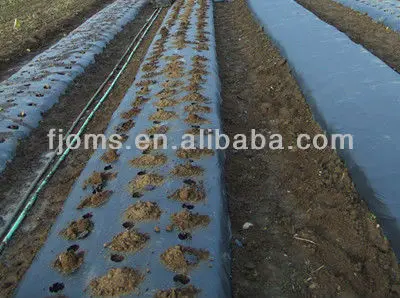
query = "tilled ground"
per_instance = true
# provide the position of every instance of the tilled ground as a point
(375, 37)
(312, 234)
(41, 23)
(19, 254)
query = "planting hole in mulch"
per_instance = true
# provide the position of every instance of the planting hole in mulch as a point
(128, 225)
(128, 241)
(117, 258)
(56, 287)
(73, 248)
(125, 126)
(142, 211)
(181, 278)
(185, 236)
(116, 282)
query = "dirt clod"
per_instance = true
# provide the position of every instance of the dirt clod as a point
(95, 200)
(117, 281)
(182, 258)
(69, 261)
(187, 170)
(163, 115)
(78, 229)
(144, 182)
(196, 119)
(128, 241)
(148, 160)
(186, 220)
(142, 211)
(189, 193)
(185, 292)
(194, 153)
(110, 156)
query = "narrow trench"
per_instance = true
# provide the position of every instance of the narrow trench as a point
(289, 195)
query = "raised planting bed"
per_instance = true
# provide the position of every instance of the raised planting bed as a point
(350, 92)
(158, 218)
(37, 86)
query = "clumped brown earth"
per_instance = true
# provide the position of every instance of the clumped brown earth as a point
(69, 261)
(110, 156)
(95, 200)
(192, 193)
(186, 220)
(312, 235)
(117, 282)
(148, 160)
(128, 241)
(187, 170)
(195, 97)
(142, 211)
(98, 179)
(380, 40)
(145, 182)
(78, 229)
(193, 118)
(196, 108)
(19, 253)
(194, 153)
(185, 292)
(157, 129)
(162, 115)
(182, 258)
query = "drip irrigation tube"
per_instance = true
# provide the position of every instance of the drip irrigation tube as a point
(28, 200)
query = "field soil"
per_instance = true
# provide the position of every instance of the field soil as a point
(312, 235)
(41, 23)
(18, 255)
(375, 37)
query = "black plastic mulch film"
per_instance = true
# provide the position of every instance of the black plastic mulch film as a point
(169, 204)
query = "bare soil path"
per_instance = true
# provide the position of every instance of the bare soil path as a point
(312, 236)
(375, 37)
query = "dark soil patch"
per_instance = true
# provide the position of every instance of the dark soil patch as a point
(162, 115)
(117, 281)
(380, 40)
(290, 196)
(19, 253)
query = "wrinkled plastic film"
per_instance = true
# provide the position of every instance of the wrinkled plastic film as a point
(350, 91)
